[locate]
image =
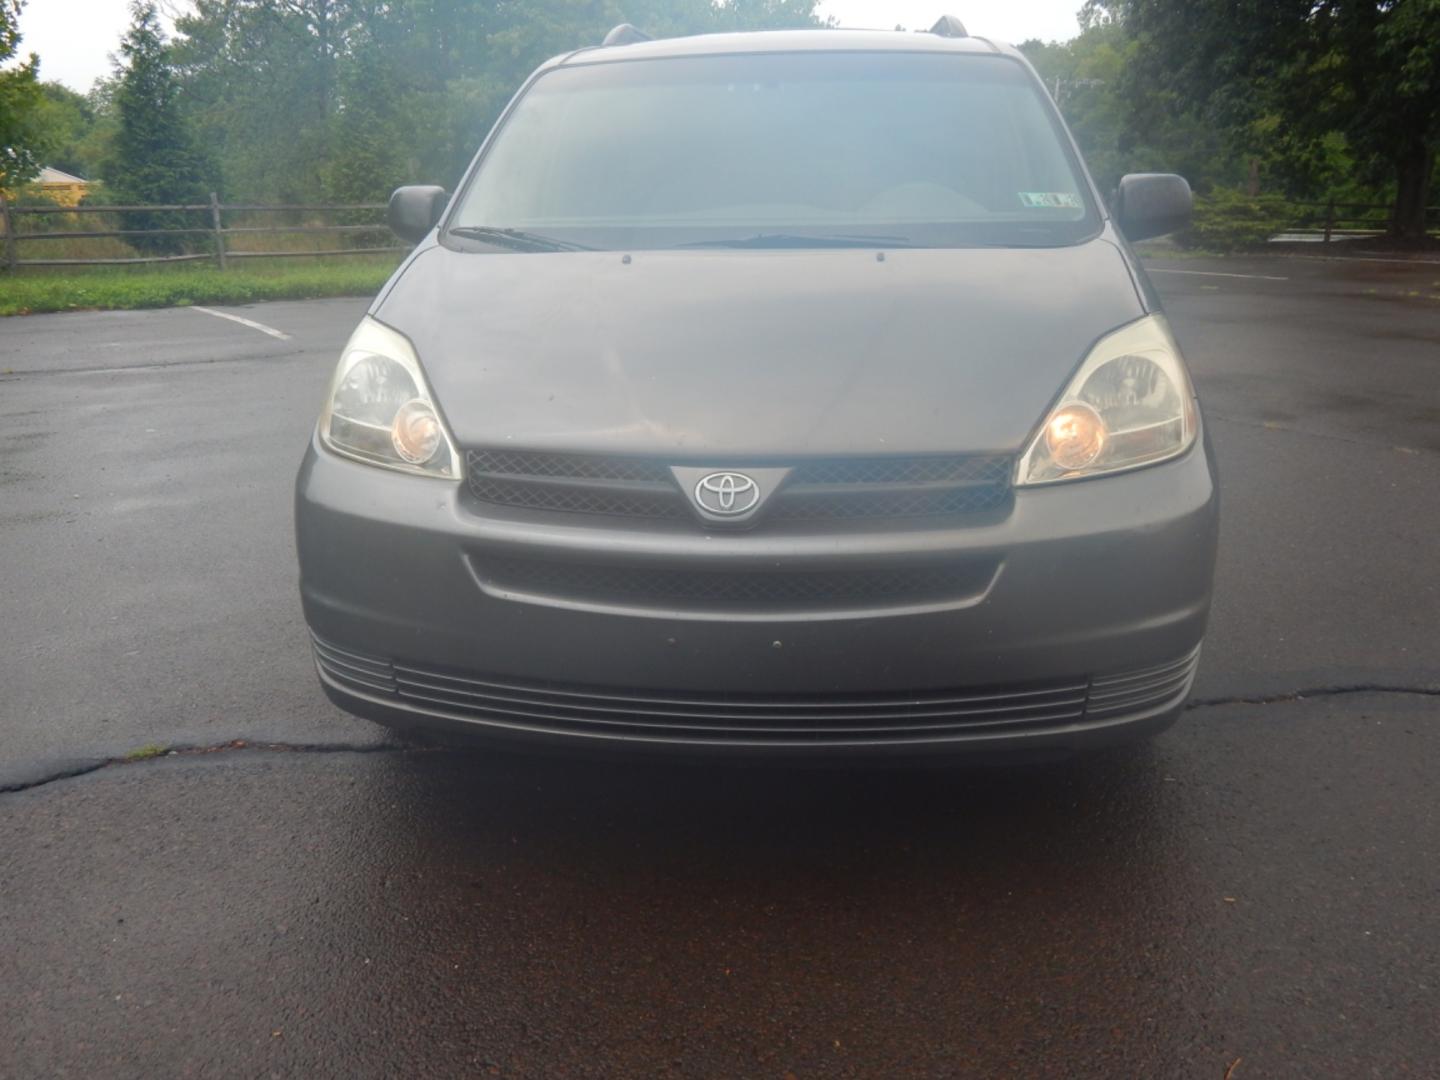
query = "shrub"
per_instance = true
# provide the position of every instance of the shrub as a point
(1230, 220)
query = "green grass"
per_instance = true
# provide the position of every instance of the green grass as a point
(1148, 250)
(144, 753)
(109, 288)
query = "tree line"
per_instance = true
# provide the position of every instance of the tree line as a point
(342, 100)
(1312, 99)
(338, 100)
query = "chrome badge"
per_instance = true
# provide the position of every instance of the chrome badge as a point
(727, 493)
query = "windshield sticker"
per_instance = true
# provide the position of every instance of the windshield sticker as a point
(1050, 200)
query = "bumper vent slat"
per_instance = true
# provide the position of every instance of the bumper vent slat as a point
(1135, 691)
(351, 667)
(756, 718)
(680, 703)
(749, 726)
(1062, 704)
(710, 717)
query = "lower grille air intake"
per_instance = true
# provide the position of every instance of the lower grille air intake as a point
(742, 590)
(812, 719)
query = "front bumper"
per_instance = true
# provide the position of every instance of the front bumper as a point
(1075, 619)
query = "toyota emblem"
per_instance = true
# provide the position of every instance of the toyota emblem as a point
(727, 494)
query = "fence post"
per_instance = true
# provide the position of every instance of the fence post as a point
(12, 255)
(1329, 219)
(219, 232)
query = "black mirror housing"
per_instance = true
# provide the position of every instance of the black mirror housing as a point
(1152, 204)
(415, 210)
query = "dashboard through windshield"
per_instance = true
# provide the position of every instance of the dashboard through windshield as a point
(814, 149)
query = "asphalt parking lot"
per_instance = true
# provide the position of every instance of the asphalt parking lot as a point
(1252, 895)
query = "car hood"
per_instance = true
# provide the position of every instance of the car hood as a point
(733, 355)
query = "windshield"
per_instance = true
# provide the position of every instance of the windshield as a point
(926, 150)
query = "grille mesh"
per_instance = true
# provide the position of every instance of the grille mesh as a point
(579, 466)
(617, 502)
(923, 470)
(834, 489)
(900, 504)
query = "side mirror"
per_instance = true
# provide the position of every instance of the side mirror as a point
(1152, 204)
(414, 210)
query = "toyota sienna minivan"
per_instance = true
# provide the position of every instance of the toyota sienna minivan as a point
(786, 393)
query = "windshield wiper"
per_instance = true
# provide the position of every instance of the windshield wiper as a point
(789, 240)
(515, 239)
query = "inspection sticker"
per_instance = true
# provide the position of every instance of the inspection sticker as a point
(1050, 200)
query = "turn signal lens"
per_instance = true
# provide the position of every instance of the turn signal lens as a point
(416, 432)
(1130, 404)
(1075, 436)
(381, 412)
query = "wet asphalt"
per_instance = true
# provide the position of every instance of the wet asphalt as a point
(1255, 892)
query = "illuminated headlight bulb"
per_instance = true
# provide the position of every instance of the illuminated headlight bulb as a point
(415, 433)
(1129, 404)
(1075, 436)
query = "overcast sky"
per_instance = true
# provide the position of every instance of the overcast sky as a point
(1008, 20)
(75, 37)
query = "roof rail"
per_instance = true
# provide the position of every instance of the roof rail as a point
(624, 34)
(949, 26)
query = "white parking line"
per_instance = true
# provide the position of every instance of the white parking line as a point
(244, 322)
(1216, 273)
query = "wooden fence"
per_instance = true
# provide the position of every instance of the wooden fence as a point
(1323, 222)
(1329, 221)
(210, 220)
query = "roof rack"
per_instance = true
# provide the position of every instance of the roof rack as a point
(949, 26)
(624, 34)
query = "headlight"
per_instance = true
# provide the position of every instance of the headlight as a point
(1130, 404)
(379, 409)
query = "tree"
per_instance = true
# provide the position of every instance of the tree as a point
(1297, 72)
(152, 157)
(351, 97)
(367, 133)
(259, 80)
(1086, 76)
(21, 134)
(71, 128)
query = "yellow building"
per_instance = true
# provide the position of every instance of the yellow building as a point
(59, 187)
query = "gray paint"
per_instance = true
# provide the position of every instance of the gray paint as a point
(751, 354)
(721, 358)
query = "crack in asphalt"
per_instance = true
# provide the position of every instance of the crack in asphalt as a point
(71, 772)
(1314, 692)
(236, 745)
(16, 374)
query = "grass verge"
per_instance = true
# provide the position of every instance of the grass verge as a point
(1149, 250)
(27, 293)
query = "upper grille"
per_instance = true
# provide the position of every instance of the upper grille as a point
(895, 487)
(834, 488)
(576, 484)
(567, 466)
(902, 470)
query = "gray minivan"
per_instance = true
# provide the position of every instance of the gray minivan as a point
(788, 393)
